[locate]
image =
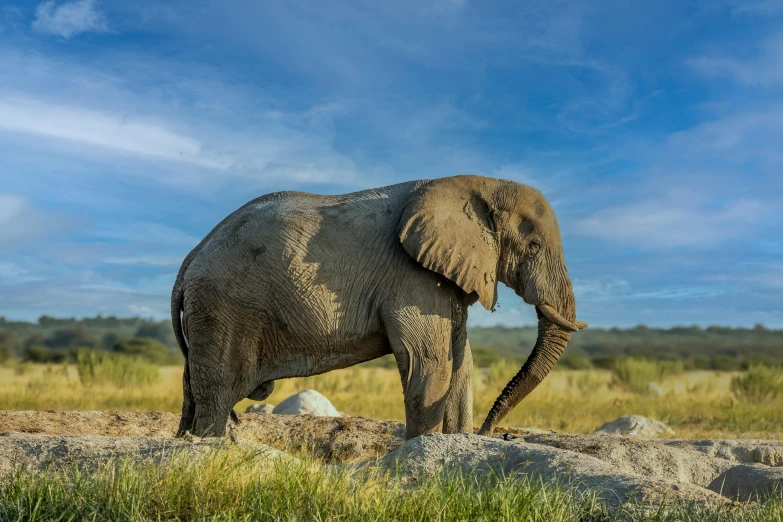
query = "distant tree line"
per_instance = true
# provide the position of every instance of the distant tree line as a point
(714, 347)
(54, 340)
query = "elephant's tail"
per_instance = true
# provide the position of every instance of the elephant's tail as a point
(177, 307)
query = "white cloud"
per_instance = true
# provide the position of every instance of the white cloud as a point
(602, 289)
(144, 232)
(69, 19)
(757, 7)
(102, 129)
(20, 223)
(765, 70)
(672, 222)
(748, 136)
(142, 310)
(147, 260)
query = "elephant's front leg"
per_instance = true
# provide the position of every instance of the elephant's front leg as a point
(421, 344)
(459, 403)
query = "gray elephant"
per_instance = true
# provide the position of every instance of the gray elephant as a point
(295, 284)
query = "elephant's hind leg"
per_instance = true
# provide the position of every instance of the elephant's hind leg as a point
(459, 404)
(421, 344)
(188, 404)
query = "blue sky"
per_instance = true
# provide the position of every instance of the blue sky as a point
(129, 129)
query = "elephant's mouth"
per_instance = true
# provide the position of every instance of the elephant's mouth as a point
(550, 313)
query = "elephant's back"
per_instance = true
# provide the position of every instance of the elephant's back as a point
(298, 243)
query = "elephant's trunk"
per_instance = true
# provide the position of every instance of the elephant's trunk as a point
(550, 344)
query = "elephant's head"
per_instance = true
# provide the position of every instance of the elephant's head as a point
(477, 231)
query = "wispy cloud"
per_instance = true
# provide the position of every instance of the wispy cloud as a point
(762, 70)
(21, 223)
(756, 7)
(69, 19)
(679, 221)
(121, 133)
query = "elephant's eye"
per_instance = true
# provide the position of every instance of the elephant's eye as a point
(534, 246)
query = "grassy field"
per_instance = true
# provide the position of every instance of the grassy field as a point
(695, 404)
(238, 484)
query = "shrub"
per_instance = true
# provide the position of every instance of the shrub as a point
(635, 374)
(574, 362)
(96, 367)
(42, 354)
(758, 384)
(150, 350)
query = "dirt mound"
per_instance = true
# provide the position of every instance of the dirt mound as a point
(474, 454)
(641, 457)
(750, 451)
(341, 439)
(620, 468)
(44, 451)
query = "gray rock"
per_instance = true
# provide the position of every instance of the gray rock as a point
(307, 402)
(260, 408)
(646, 458)
(635, 426)
(654, 389)
(749, 482)
(44, 451)
(750, 451)
(469, 454)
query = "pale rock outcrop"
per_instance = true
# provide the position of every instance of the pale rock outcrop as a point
(32, 451)
(467, 454)
(748, 451)
(307, 402)
(260, 408)
(749, 482)
(635, 426)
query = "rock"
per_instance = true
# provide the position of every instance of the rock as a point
(336, 439)
(260, 408)
(307, 402)
(636, 426)
(654, 389)
(767, 452)
(749, 482)
(469, 455)
(43, 451)
(646, 458)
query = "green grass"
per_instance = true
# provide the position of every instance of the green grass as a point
(238, 484)
(758, 384)
(98, 367)
(635, 375)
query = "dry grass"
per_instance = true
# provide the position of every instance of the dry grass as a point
(695, 405)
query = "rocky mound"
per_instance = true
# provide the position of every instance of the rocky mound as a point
(620, 469)
(45, 451)
(474, 454)
(340, 439)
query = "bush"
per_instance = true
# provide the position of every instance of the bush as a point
(96, 367)
(42, 354)
(150, 350)
(758, 384)
(574, 362)
(635, 374)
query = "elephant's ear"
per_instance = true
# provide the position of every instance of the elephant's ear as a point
(448, 226)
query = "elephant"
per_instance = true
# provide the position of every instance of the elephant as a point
(295, 284)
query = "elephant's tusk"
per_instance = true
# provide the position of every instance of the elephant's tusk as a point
(551, 314)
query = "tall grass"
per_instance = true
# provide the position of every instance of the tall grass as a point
(695, 405)
(635, 375)
(238, 484)
(758, 384)
(100, 367)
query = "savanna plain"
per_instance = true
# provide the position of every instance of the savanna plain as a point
(238, 484)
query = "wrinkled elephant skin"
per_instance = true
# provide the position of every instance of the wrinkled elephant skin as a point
(295, 284)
